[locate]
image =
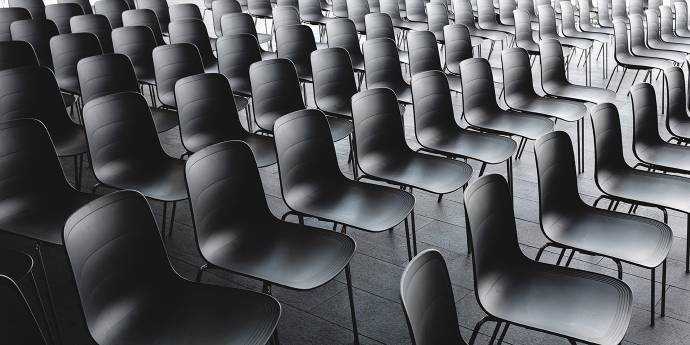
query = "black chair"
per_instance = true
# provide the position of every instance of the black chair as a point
(554, 81)
(488, 20)
(193, 31)
(111, 9)
(144, 17)
(173, 62)
(569, 223)
(548, 29)
(84, 4)
(36, 8)
(382, 154)
(137, 43)
(311, 13)
(236, 52)
(256, 241)
(132, 262)
(342, 33)
(242, 23)
(38, 33)
(621, 183)
(184, 11)
(221, 8)
(379, 25)
(296, 43)
(312, 184)
(16, 54)
(437, 131)
(437, 19)
(340, 8)
(126, 153)
(275, 91)
(677, 119)
(428, 301)
(666, 30)
(207, 113)
(520, 96)
(9, 15)
(334, 83)
(424, 56)
(415, 11)
(512, 289)
(356, 10)
(18, 322)
(287, 16)
(95, 24)
(505, 12)
(66, 50)
(61, 13)
(160, 8)
(482, 111)
(604, 18)
(458, 47)
(523, 32)
(639, 44)
(382, 66)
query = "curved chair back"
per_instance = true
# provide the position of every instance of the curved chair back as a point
(506, 8)
(379, 25)
(423, 52)
(334, 82)
(552, 61)
(221, 8)
(618, 10)
(528, 6)
(144, 17)
(523, 29)
(35, 7)
(9, 15)
(285, 16)
(95, 24)
(622, 47)
(18, 322)
(374, 6)
(653, 28)
(259, 8)
(185, 11)
(16, 54)
(547, 22)
(102, 75)
(645, 116)
(603, 16)
(458, 46)
(340, 8)
(84, 4)
(296, 43)
(61, 13)
(478, 86)
(356, 10)
(637, 36)
(343, 34)
(38, 33)
(437, 15)
(635, 7)
(427, 299)
(238, 23)
(568, 26)
(584, 9)
(414, 10)
(235, 54)
(557, 177)
(433, 106)
(206, 108)
(309, 9)
(608, 146)
(275, 89)
(677, 105)
(193, 31)
(392, 9)
(382, 63)
(111, 9)
(129, 252)
(67, 50)
(517, 74)
(486, 15)
(378, 127)
(171, 63)
(160, 8)
(463, 13)
(137, 43)
(667, 18)
(654, 5)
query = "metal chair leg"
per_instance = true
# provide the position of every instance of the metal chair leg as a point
(407, 236)
(348, 277)
(51, 300)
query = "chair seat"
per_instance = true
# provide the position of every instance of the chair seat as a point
(407, 25)
(680, 32)
(357, 62)
(164, 119)
(361, 205)
(287, 254)
(145, 75)
(559, 108)
(578, 92)
(202, 309)
(454, 82)
(403, 92)
(68, 99)
(642, 62)
(531, 47)
(630, 238)
(678, 47)
(262, 146)
(668, 156)
(675, 39)
(70, 141)
(335, 105)
(581, 305)
(597, 29)
(404, 56)
(596, 36)
(530, 126)
(498, 27)
(167, 98)
(653, 188)
(340, 127)
(264, 38)
(316, 19)
(488, 34)
(69, 84)
(433, 174)
(489, 148)
(162, 180)
(211, 67)
(680, 127)
(659, 54)
(579, 43)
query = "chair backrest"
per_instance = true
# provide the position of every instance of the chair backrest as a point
(547, 22)
(620, 30)
(306, 155)
(18, 322)
(618, 9)
(603, 15)
(681, 13)
(356, 10)
(414, 10)
(295, 43)
(95, 24)
(378, 125)
(463, 13)
(552, 61)
(505, 11)
(221, 8)
(391, 8)
(111, 9)
(374, 6)
(144, 17)
(160, 8)
(193, 31)
(423, 52)
(119, 232)
(275, 87)
(431, 99)
(485, 13)
(667, 19)
(428, 301)
(238, 23)
(381, 62)
(137, 43)
(173, 62)
(677, 105)
(310, 9)
(437, 16)
(523, 28)
(343, 34)
(35, 7)
(61, 13)
(568, 19)
(637, 36)
(84, 4)
(106, 74)
(9, 15)
(645, 116)
(332, 76)
(291, 3)
(635, 7)
(608, 145)
(235, 54)
(16, 54)
(654, 5)
(458, 46)
(527, 5)
(653, 25)
(379, 25)
(285, 16)
(206, 108)
(38, 33)
(259, 7)
(68, 49)
(185, 11)
(340, 8)
(478, 93)
(517, 74)
(584, 13)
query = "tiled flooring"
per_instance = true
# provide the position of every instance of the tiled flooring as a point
(322, 316)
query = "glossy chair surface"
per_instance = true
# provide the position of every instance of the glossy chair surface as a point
(185, 11)
(236, 52)
(221, 8)
(171, 63)
(677, 119)
(334, 83)
(193, 31)
(35, 7)
(144, 17)
(341, 33)
(137, 43)
(383, 68)
(38, 33)
(96, 24)
(296, 43)
(111, 9)
(67, 50)
(9, 15)
(84, 4)
(160, 8)
(275, 91)
(105, 74)
(16, 54)
(61, 13)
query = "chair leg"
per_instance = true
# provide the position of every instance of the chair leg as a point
(653, 293)
(611, 77)
(267, 290)
(541, 251)
(687, 249)
(495, 333)
(503, 334)
(200, 272)
(663, 289)
(619, 268)
(625, 70)
(481, 169)
(414, 232)
(165, 216)
(51, 300)
(172, 218)
(407, 236)
(560, 257)
(348, 277)
(478, 327)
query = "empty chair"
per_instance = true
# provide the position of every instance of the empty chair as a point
(677, 119)
(9, 15)
(221, 8)
(236, 52)
(19, 325)
(137, 42)
(530, 7)
(585, 18)
(618, 10)
(482, 111)
(160, 8)
(342, 33)
(655, 41)
(242, 23)
(639, 46)
(392, 9)
(111, 9)
(275, 91)
(193, 31)
(437, 15)
(523, 32)
(66, 50)
(144, 17)
(260, 9)
(569, 30)
(428, 302)
(463, 15)
(382, 66)
(340, 8)
(35, 7)
(38, 33)
(356, 10)
(414, 11)
(137, 269)
(666, 31)
(505, 12)
(84, 4)
(171, 63)
(334, 83)
(16, 54)
(577, 305)
(570, 223)
(95, 24)
(604, 18)
(486, 19)
(437, 131)
(208, 116)
(681, 12)
(379, 25)
(126, 153)
(185, 11)
(311, 13)
(458, 47)
(61, 13)
(388, 158)
(554, 81)
(286, 16)
(548, 29)
(424, 56)
(296, 43)
(256, 243)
